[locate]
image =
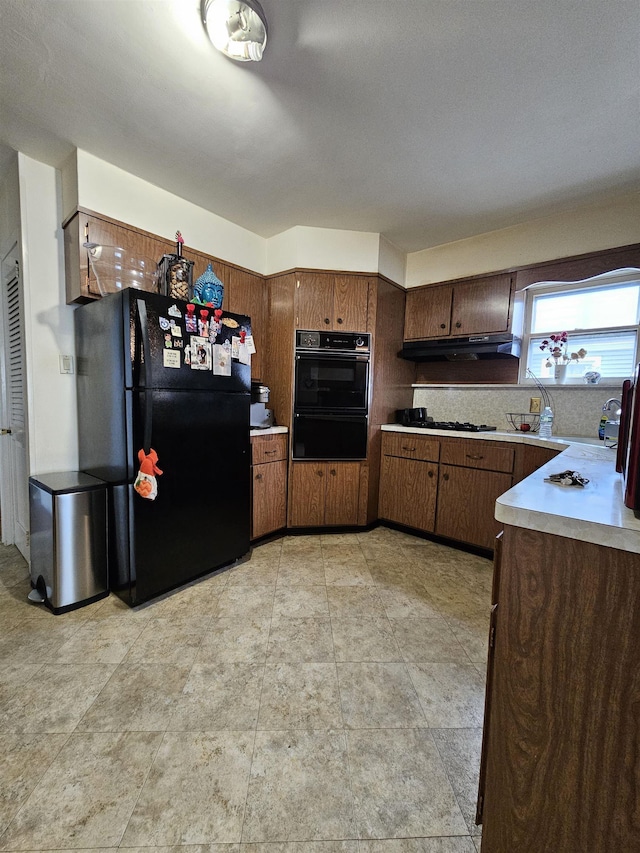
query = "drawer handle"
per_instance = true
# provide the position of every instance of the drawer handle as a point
(445, 476)
(258, 476)
(270, 452)
(408, 449)
(475, 456)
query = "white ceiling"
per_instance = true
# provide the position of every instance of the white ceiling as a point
(424, 120)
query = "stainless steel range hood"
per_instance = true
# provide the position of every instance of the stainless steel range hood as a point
(473, 348)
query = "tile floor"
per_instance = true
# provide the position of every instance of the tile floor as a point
(324, 697)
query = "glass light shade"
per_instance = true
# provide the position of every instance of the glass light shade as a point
(238, 28)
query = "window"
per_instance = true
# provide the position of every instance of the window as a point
(600, 315)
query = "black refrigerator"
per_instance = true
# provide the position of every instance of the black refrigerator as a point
(156, 375)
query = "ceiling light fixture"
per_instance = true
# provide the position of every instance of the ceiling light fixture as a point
(238, 28)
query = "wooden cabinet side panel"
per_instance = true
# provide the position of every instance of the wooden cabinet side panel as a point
(562, 766)
(247, 296)
(481, 306)
(269, 498)
(428, 312)
(466, 504)
(350, 300)
(534, 458)
(277, 364)
(314, 301)
(306, 494)
(408, 492)
(342, 493)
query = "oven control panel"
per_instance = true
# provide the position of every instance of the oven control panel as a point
(336, 341)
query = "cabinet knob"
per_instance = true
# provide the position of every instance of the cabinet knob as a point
(430, 473)
(445, 476)
(319, 473)
(327, 320)
(458, 324)
(443, 325)
(340, 320)
(258, 476)
(333, 472)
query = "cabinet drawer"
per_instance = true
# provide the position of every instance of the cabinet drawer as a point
(410, 446)
(477, 454)
(268, 448)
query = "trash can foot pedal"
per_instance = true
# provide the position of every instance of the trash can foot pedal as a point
(36, 597)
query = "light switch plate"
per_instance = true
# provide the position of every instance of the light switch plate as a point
(534, 405)
(66, 364)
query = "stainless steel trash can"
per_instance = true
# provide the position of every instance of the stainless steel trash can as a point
(68, 539)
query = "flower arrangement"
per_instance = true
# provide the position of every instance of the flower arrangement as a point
(558, 346)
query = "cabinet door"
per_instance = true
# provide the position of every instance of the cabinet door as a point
(428, 312)
(247, 296)
(342, 493)
(350, 301)
(269, 498)
(466, 504)
(408, 492)
(306, 495)
(481, 306)
(314, 301)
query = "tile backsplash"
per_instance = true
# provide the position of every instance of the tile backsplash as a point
(577, 410)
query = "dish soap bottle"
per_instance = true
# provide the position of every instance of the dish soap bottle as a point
(546, 422)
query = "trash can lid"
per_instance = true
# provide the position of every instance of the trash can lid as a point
(67, 481)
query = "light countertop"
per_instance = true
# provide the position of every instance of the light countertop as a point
(269, 430)
(594, 513)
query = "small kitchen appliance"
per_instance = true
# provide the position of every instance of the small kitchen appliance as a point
(260, 416)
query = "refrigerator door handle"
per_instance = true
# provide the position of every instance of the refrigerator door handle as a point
(146, 353)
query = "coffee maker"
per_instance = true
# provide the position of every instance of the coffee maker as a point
(261, 417)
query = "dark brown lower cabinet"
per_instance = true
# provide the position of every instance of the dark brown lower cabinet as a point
(324, 494)
(561, 764)
(466, 504)
(269, 498)
(408, 490)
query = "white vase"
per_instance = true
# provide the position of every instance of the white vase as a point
(560, 373)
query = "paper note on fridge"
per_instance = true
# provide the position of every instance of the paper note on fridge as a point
(244, 356)
(221, 360)
(171, 358)
(248, 341)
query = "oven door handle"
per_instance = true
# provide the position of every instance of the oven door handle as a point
(333, 416)
(308, 355)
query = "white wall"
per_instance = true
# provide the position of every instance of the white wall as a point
(106, 189)
(574, 232)
(94, 184)
(51, 396)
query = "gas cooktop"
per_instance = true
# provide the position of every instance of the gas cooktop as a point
(452, 425)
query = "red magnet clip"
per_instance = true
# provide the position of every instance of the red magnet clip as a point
(243, 335)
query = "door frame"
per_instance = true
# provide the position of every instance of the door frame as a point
(9, 259)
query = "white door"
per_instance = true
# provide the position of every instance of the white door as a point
(14, 485)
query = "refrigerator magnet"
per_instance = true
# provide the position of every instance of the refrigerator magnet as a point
(174, 311)
(176, 331)
(221, 360)
(187, 354)
(190, 320)
(235, 346)
(200, 353)
(165, 325)
(168, 340)
(171, 358)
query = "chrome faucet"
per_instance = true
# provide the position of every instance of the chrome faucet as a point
(607, 407)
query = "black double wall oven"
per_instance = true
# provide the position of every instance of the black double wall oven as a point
(331, 395)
